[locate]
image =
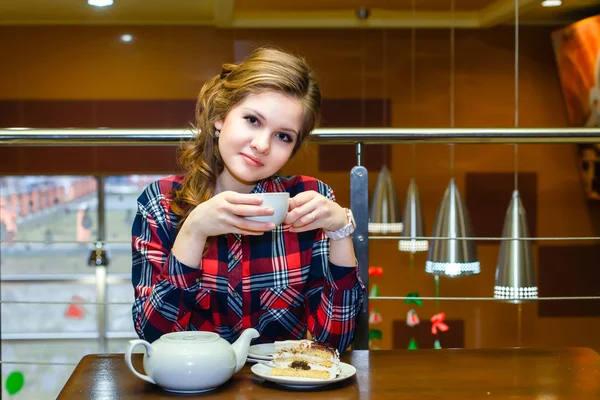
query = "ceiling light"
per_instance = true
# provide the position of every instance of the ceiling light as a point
(551, 3)
(100, 3)
(126, 38)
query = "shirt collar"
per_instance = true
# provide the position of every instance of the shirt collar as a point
(269, 185)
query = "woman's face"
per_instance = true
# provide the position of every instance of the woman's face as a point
(257, 138)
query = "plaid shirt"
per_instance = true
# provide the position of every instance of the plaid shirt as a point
(279, 283)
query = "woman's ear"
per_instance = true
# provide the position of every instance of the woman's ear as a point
(219, 125)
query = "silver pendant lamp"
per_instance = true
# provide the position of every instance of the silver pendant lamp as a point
(412, 230)
(412, 222)
(385, 215)
(449, 256)
(515, 278)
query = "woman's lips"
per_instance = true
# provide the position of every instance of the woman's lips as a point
(253, 161)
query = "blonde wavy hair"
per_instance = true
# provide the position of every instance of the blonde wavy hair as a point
(265, 69)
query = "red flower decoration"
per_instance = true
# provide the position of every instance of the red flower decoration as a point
(437, 322)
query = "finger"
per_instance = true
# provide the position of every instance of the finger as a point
(245, 210)
(299, 215)
(301, 199)
(243, 198)
(236, 230)
(249, 233)
(307, 227)
(249, 225)
(307, 219)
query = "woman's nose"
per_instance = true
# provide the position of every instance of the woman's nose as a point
(261, 143)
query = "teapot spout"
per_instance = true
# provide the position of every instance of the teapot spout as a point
(240, 347)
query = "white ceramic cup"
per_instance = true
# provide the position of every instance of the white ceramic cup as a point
(279, 202)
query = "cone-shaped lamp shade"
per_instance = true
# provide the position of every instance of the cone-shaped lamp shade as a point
(515, 279)
(452, 257)
(385, 208)
(412, 221)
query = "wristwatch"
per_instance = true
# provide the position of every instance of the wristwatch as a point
(344, 231)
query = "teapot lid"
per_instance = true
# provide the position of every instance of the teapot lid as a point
(191, 337)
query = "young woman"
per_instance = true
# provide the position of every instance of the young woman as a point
(199, 264)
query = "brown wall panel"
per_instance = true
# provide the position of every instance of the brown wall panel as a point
(10, 113)
(594, 207)
(57, 114)
(88, 160)
(9, 160)
(97, 113)
(137, 160)
(145, 113)
(569, 271)
(38, 160)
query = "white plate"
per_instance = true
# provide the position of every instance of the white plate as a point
(261, 351)
(264, 372)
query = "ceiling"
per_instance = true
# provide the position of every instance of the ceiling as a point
(295, 13)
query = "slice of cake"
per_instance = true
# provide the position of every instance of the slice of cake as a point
(305, 359)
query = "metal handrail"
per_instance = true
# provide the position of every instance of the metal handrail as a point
(105, 137)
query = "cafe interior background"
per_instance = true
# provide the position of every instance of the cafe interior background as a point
(139, 64)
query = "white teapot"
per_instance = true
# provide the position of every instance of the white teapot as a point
(191, 362)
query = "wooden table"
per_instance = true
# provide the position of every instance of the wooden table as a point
(541, 374)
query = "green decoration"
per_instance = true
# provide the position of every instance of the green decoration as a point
(375, 334)
(14, 382)
(413, 298)
(374, 291)
(437, 345)
(412, 345)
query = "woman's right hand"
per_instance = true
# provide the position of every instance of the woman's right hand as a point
(224, 213)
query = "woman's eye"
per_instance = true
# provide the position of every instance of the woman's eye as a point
(252, 119)
(285, 137)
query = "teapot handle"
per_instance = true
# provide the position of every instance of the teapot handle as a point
(132, 345)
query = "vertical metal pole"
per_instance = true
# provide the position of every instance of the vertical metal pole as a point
(101, 269)
(359, 203)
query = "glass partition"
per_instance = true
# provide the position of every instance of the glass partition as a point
(51, 310)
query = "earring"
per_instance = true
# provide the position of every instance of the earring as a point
(217, 133)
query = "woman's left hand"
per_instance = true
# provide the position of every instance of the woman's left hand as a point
(311, 210)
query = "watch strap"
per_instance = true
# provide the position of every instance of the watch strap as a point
(346, 230)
